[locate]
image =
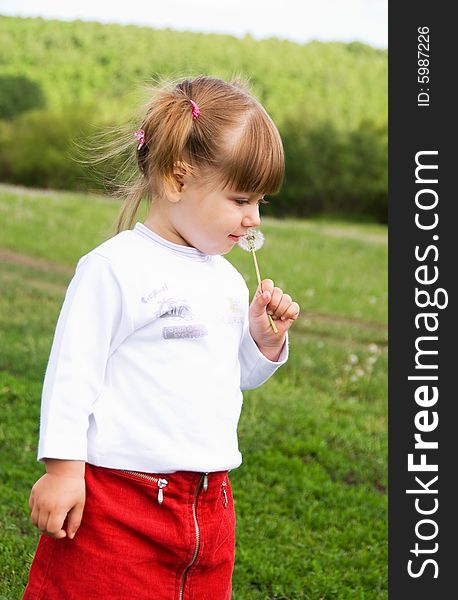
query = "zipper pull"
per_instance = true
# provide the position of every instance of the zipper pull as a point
(223, 489)
(161, 483)
(205, 485)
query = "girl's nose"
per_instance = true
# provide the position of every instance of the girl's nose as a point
(252, 218)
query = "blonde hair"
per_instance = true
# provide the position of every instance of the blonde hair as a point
(232, 143)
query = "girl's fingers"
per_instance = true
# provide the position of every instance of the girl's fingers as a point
(54, 525)
(267, 285)
(292, 312)
(34, 516)
(43, 520)
(282, 306)
(277, 295)
(74, 519)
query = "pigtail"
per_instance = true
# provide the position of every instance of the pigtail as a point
(132, 198)
(168, 126)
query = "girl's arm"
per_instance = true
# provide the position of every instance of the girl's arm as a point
(90, 322)
(58, 495)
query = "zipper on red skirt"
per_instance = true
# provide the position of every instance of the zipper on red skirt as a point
(203, 481)
(161, 482)
(223, 490)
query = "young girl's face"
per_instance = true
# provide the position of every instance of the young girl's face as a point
(210, 219)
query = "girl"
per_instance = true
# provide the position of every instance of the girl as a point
(154, 343)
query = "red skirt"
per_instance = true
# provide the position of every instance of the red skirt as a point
(147, 536)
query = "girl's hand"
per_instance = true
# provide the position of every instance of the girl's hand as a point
(283, 311)
(56, 497)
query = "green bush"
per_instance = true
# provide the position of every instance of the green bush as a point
(334, 171)
(37, 149)
(19, 94)
(327, 170)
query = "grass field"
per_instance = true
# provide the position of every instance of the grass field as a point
(311, 495)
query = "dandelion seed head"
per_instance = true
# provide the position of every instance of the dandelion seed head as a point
(253, 240)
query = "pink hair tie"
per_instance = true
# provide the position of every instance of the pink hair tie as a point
(195, 110)
(140, 135)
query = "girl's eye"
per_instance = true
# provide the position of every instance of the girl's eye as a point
(241, 201)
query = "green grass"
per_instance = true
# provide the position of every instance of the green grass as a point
(311, 495)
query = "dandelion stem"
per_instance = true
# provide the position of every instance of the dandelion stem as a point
(258, 275)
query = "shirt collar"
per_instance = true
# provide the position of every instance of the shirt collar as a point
(184, 251)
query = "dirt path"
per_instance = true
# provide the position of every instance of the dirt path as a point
(339, 320)
(335, 230)
(33, 283)
(9, 256)
(354, 234)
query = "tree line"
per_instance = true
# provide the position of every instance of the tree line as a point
(61, 82)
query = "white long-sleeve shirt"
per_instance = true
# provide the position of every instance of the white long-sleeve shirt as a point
(150, 354)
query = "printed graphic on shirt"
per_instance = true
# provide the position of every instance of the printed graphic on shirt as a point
(184, 331)
(234, 313)
(173, 307)
(154, 293)
(179, 309)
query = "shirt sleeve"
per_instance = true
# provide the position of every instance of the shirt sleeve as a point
(256, 369)
(89, 321)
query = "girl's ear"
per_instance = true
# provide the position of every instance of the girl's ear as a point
(176, 183)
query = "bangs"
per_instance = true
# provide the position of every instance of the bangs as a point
(255, 163)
